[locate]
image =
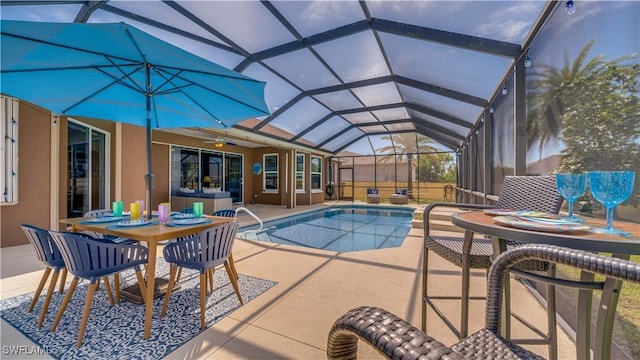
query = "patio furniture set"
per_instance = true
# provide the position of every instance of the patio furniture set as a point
(398, 198)
(201, 246)
(503, 250)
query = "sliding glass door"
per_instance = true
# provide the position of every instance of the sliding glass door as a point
(196, 169)
(233, 176)
(87, 169)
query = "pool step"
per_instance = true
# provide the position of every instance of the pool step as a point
(440, 220)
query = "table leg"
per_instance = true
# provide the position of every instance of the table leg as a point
(606, 316)
(466, 254)
(151, 279)
(583, 321)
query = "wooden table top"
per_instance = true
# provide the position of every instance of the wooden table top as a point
(150, 233)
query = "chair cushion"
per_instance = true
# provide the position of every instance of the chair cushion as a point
(484, 344)
(371, 191)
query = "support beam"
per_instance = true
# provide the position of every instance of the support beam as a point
(520, 126)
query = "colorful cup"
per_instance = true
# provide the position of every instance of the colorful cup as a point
(197, 209)
(163, 213)
(134, 207)
(116, 208)
(141, 202)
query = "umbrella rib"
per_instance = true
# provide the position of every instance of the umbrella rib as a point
(126, 75)
(167, 81)
(119, 81)
(160, 72)
(86, 51)
(240, 77)
(123, 83)
(67, 68)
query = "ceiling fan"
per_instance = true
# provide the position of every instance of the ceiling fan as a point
(219, 142)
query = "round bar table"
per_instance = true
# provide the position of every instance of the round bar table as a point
(621, 247)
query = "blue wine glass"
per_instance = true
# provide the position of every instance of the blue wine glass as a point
(611, 188)
(571, 187)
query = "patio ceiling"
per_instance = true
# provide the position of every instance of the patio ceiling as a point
(354, 76)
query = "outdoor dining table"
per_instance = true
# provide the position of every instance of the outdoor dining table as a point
(152, 235)
(620, 247)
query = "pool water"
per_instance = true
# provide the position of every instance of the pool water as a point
(339, 229)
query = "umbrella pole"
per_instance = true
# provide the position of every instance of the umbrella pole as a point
(149, 175)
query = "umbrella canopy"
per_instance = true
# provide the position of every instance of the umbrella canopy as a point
(117, 72)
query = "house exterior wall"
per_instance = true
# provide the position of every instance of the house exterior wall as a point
(34, 193)
(127, 169)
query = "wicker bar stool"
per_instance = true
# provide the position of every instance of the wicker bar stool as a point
(395, 338)
(537, 193)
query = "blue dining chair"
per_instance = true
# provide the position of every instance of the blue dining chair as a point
(90, 258)
(225, 213)
(230, 213)
(209, 249)
(48, 254)
(105, 212)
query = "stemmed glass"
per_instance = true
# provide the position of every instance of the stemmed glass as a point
(611, 188)
(571, 187)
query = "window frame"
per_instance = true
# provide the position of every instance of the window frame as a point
(300, 173)
(9, 154)
(266, 171)
(317, 173)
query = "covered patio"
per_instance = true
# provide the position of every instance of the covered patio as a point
(291, 320)
(434, 100)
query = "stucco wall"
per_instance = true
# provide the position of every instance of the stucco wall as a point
(34, 151)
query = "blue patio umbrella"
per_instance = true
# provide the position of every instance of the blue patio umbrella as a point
(117, 72)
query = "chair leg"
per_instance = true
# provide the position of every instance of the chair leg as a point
(551, 315)
(142, 284)
(203, 296)
(87, 310)
(43, 280)
(464, 313)
(232, 266)
(65, 302)
(234, 283)
(116, 285)
(63, 280)
(210, 274)
(179, 274)
(425, 274)
(108, 289)
(172, 279)
(47, 299)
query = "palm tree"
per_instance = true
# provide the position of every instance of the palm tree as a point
(406, 145)
(546, 94)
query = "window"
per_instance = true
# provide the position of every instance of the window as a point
(211, 169)
(9, 151)
(270, 177)
(316, 174)
(300, 173)
(185, 169)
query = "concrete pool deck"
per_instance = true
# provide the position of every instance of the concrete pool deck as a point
(292, 320)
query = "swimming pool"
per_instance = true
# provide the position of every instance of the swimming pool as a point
(340, 228)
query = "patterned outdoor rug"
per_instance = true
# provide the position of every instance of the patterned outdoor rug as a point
(117, 331)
